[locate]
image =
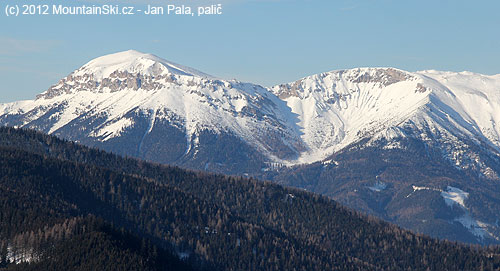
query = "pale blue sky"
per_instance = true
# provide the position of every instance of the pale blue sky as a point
(265, 42)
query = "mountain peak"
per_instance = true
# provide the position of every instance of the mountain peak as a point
(330, 81)
(123, 70)
(133, 61)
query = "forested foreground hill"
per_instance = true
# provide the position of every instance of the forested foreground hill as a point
(64, 203)
(84, 244)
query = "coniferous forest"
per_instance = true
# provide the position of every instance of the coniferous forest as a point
(69, 207)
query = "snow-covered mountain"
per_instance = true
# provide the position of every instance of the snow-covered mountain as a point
(338, 108)
(143, 101)
(305, 133)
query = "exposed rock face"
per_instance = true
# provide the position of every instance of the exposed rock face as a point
(117, 81)
(382, 77)
(421, 88)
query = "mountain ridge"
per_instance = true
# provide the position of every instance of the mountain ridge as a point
(333, 110)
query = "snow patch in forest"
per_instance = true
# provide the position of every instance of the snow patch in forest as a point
(454, 195)
(378, 186)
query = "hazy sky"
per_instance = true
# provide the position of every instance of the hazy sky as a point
(262, 41)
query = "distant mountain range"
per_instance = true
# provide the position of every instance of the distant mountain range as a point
(419, 149)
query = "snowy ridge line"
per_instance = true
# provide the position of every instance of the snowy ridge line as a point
(134, 61)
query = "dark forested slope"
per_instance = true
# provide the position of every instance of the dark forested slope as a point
(85, 244)
(214, 222)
